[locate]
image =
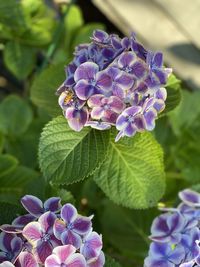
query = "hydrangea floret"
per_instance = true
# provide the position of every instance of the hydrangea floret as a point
(50, 235)
(175, 234)
(114, 81)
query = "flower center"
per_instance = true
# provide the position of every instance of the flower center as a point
(106, 106)
(45, 237)
(92, 82)
(63, 265)
(130, 118)
(127, 69)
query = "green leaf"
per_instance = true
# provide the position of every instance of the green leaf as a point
(11, 14)
(84, 34)
(128, 230)
(19, 59)
(15, 115)
(133, 174)
(9, 212)
(110, 262)
(8, 163)
(66, 156)
(186, 113)
(173, 94)
(43, 90)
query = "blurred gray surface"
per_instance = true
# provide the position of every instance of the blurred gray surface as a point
(170, 26)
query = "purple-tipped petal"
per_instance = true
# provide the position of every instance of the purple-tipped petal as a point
(68, 213)
(33, 205)
(52, 204)
(26, 259)
(158, 59)
(82, 225)
(86, 71)
(116, 104)
(190, 197)
(23, 220)
(47, 220)
(58, 228)
(126, 59)
(132, 111)
(125, 80)
(103, 80)
(97, 262)
(16, 245)
(76, 118)
(97, 113)
(5, 241)
(95, 100)
(92, 246)
(130, 130)
(100, 36)
(71, 238)
(139, 69)
(84, 90)
(32, 232)
(149, 118)
(76, 260)
(42, 251)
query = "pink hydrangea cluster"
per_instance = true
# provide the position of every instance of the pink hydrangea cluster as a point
(50, 235)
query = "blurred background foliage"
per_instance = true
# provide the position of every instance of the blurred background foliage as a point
(36, 41)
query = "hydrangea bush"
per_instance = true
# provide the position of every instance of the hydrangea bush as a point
(175, 234)
(50, 235)
(114, 82)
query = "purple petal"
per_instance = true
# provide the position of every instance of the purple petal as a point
(23, 220)
(116, 104)
(76, 118)
(161, 76)
(139, 69)
(125, 80)
(118, 91)
(159, 105)
(76, 260)
(95, 100)
(139, 122)
(99, 262)
(158, 59)
(70, 238)
(84, 90)
(5, 241)
(32, 232)
(159, 226)
(46, 221)
(33, 205)
(59, 227)
(82, 225)
(97, 113)
(161, 93)
(121, 122)
(113, 72)
(103, 80)
(64, 252)
(52, 204)
(130, 130)
(126, 59)
(12, 229)
(149, 118)
(132, 111)
(26, 259)
(100, 36)
(190, 197)
(92, 246)
(151, 262)
(42, 251)
(68, 213)
(16, 245)
(86, 71)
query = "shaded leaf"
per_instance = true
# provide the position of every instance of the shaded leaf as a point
(110, 262)
(66, 156)
(43, 90)
(8, 164)
(19, 59)
(9, 212)
(133, 174)
(15, 115)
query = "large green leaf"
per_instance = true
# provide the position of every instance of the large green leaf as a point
(43, 90)
(9, 212)
(133, 174)
(1, 142)
(128, 230)
(66, 156)
(85, 32)
(15, 115)
(19, 59)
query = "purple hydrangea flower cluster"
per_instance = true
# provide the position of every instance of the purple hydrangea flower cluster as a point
(50, 235)
(114, 81)
(176, 234)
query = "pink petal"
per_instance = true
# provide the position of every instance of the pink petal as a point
(52, 261)
(97, 113)
(76, 260)
(26, 259)
(64, 252)
(32, 232)
(58, 228)
(95, 100)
